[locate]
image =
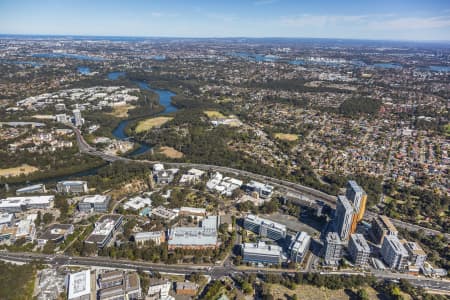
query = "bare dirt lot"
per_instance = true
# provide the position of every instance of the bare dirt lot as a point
(171, 152)
(17, 171)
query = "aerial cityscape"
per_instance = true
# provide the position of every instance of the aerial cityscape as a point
(261, 149)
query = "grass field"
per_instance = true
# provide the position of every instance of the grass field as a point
(151, 123)
(170, 152)
(121, 111)
(286, 137)
(309, 292)
(16, 171)
(447, 130)
(214, 114)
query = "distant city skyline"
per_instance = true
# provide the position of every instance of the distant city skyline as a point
(347, 19)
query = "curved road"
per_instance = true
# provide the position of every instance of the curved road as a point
(312, 195)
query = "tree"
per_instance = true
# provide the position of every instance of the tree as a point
(88, 249)
(48, 218)
(38, 220)
(49, 247)
(247, 288)
(362, 294)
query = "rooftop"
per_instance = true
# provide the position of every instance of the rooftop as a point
(360, 242)
(414, 248)
(333, 238)
(147, 235)
(6, 218)
(355, 186)
(95, 199)
(259, 185)
(262, 248)
(195, 236)
(396, 245)
(345, 203)
(186, 285)
(31, 200)
(300, 242)
(56, 230)
(387, 223)
(72, 182)
(30, 188)
(79, 284)
(197, 210)
(266, 222)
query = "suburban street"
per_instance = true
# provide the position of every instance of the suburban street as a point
(309, 195)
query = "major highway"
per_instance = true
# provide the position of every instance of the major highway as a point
(308, 195)
(214, 271)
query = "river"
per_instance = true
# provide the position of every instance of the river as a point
(165, 99)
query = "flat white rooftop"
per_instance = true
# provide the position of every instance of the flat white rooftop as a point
(148, 235)
(72, 182)
(261, 248)
(79, 284)
(197, 210)
(30, 188)
(95, 199)
(18, 201)
(6, 218)
(300, 242)
(360, 242)
(266, 222)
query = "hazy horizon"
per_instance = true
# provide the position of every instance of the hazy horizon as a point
(399, 20)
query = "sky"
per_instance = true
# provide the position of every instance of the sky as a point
(350, 19)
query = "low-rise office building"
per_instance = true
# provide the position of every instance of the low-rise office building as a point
(7, 233)
(137, 203)
(192, 176)
(23, 203)
(72, 187)
(159, 290)
(359, 249)
(265, 227)
(157, 237)
(55, 233)
(165, 176)
(36, 188)
(115, 285)
(79, 286)
(333, 248)
(299, 247)
(428, 270)
(164, 213)
(192, 211)
(104, 230)
(203, 237)
(26, 230)
(394, 253)
(417, 256)
(261, 253)
(381, 227)
(259, 189)
(186, 288)
(95, 203)
(157, 168)
(223, 185)
(6, 219)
